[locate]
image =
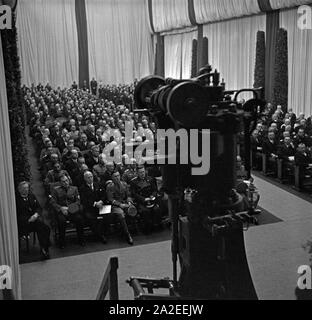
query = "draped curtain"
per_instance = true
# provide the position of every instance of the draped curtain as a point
(299, 63)
(8, 224)
(278, 4)
(168, 15)
(119, 40)
(48, 41)
(232, 49)
(215, 10)
(178, 55)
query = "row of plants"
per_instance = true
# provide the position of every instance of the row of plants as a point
(280, 90)
(16, 104)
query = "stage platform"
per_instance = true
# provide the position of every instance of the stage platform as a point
(275, 252)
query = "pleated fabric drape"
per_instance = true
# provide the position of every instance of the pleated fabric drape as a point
(216, 10)
(169, 15)
(9, 254)
(232, 49)
(278, 4)
(48, 45)
(119, 40)
(178, 55)
(299, 63)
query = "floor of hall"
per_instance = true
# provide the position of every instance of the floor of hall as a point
(275, 251)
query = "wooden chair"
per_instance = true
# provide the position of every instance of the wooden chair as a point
(265, 165)
(285, 170)
(26, 238)
(302, 181)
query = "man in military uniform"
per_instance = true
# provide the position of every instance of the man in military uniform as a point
(118, 195)
(144, 191)
(93, 198)
(130, 173)
(29, 217)
(54, 176)
(100, 169)
(66, 203)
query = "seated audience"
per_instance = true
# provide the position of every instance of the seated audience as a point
(93, 198)
(269, 147)
(145, 193)
(29, 218)
(118, 195)
(66, 203)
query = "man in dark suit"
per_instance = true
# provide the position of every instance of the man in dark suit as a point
(82, 143)
(92, 158)
(269, 147)
(256, 148)
(303, 159)
(110, 169)
(66, 203)
(286, 152)
(72, 165)
(144, 191)
(29, 218)
(93, 198)
(93, 86)
(61, 142)
(302, 138)
(91, 134)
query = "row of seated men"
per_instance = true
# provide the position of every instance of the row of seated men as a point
(93, 195)
(73, 148)
(283, 146)
(82, 206)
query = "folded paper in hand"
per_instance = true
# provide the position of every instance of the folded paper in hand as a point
(105, 210)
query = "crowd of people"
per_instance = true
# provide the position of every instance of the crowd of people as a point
(283, 136)
(72, 129)
(76, 131)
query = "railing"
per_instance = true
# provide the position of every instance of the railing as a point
(110, 282)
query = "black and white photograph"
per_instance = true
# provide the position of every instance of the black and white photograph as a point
(156, 150)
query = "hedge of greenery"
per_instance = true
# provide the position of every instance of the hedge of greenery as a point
(280, 90)
(194, 58)
(15, 104)
(259, 75)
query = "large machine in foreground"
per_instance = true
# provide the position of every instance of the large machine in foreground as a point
(207, 214)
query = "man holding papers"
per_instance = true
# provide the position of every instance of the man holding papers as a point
(93, 198)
